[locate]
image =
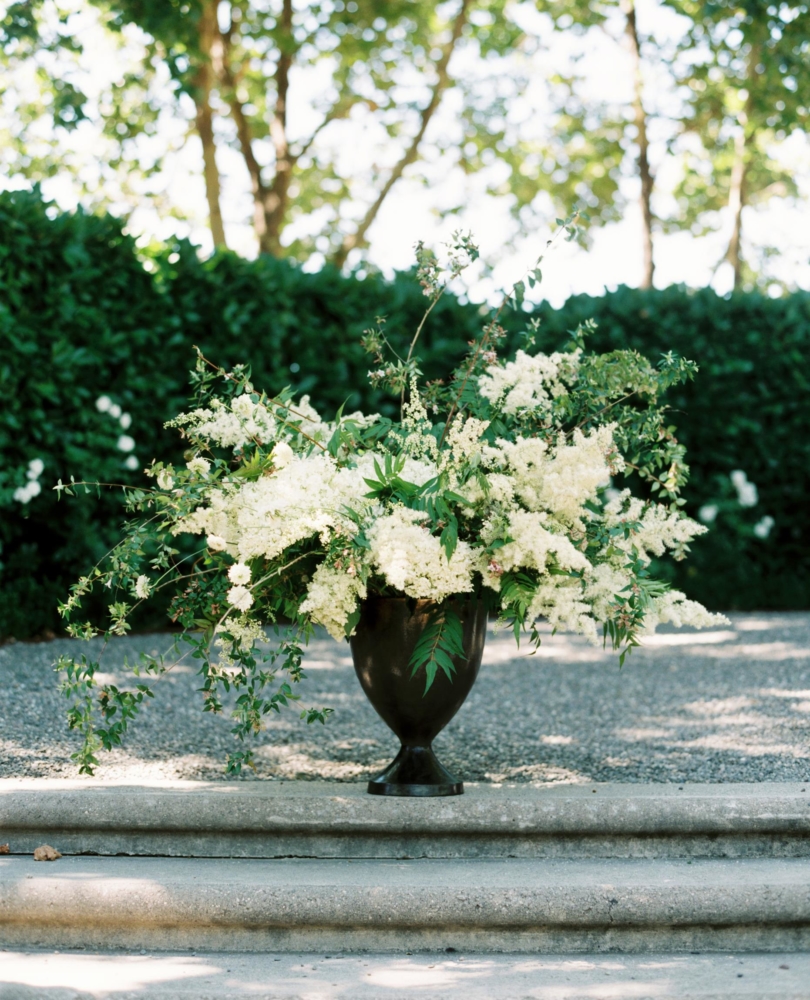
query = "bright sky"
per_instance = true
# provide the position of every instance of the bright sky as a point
(176, 202)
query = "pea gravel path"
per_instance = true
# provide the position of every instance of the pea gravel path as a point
(731, 704)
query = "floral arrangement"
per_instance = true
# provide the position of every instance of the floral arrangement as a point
(498, 483)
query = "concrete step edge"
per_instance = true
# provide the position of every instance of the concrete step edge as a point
(329, 820)
(254, 904)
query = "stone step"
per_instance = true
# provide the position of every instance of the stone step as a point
(540, 906)
(294, 976)
(331, 820)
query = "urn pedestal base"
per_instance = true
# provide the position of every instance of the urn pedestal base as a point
(415, 771)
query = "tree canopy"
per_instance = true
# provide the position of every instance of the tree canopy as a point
(318, 111)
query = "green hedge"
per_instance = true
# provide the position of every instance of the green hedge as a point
(82, 318)
(748, 409)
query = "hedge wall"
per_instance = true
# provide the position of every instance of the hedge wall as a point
(82, 320)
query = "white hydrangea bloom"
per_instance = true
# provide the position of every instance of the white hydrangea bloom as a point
(533, 545)
(659, 528)
(562, 479)
(230, 426)
(301, 500)
(243, 406)
(282, 454)
(573, 474)
(559, 599)
(199, 466)
(673, 607)
(332, 597)
(529, 382)
(413, 561)
(216, 543)
(239, 573)
(525, 460)
(602, 586)
(240, 597)
(464, 437)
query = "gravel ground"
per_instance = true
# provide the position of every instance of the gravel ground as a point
(732, 704)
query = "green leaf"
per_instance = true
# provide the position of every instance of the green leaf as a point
(442, 640)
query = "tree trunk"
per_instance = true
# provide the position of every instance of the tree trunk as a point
(739, 170)
(736, 203)
(203, 85)
(275, 206)
(269, 200)
(640, 118)
(358, 237)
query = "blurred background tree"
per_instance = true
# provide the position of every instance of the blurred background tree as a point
(313, 113)
(744, 71)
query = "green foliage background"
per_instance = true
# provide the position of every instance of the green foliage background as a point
(81, 316)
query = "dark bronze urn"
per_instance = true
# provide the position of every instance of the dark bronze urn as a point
(382, 646)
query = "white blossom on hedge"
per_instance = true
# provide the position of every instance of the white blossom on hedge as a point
(747, 495)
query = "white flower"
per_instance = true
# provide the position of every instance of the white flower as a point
(282, 455)
(332, 596)
(657, 528)
(708, 513)
(529, 382)
(675, 608)
(216, 543)
(239, 573)
(243, 406)
(125, 443)
(747, 495)
(763, 526)
(464, 437)
(35, 468)
(413, 561)
(142, 587)
(24, 494)
(131, 462)
(125, 420)
(240, 597)
(222, 426)
(114, 411)
(165, 479)
(199, 466)
(533, 545)
(246, 634)
(103, 404)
